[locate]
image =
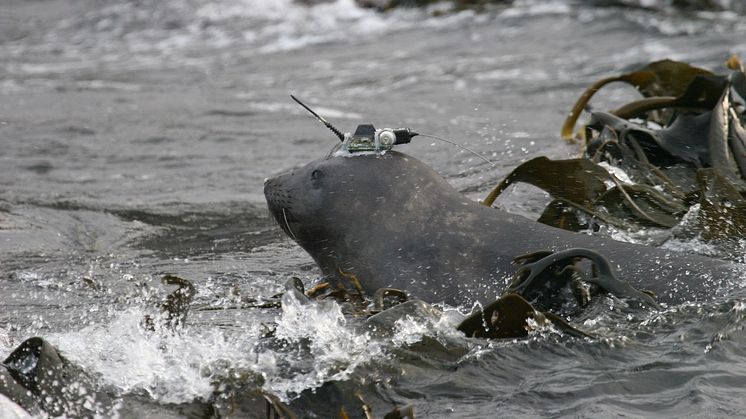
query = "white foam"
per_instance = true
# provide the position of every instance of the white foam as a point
(130, 358)
(336, 348)
(285, 107)
(177, 367)
(522, 8)
(10, 410)
(336, 113)
(343, 152)
(535, 74)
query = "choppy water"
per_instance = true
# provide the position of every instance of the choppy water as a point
(136, 136)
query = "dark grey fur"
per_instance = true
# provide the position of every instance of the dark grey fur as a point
(392, 221)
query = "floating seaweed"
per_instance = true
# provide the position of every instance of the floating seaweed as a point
(547, 288)
(509, 317)
(175, 307)
(682, 148)
(659, 82)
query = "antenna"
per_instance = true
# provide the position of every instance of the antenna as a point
(323, 121)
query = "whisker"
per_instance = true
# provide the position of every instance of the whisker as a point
(285, 217)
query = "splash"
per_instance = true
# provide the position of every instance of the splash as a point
(323, 347)
(312, 344)
(130, 358)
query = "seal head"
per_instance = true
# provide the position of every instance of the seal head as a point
(379, 217)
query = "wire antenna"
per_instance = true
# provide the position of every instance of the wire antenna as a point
(323, 121)
(435, 137)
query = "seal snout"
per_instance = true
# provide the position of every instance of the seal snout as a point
(277, 196)
(279, 203)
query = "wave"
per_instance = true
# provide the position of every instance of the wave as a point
(135, 34)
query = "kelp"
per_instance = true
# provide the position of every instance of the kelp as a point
(683, 144)
(645, 204)
(583, 180)
(508, 317)
(547, 288)
(175, 307)
(584, 188)
(661, 80)
(722, 207)
(702, 93)
(545, 270)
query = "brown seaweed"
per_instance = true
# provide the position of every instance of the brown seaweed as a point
(683, 144)
(583, 180)
(663, 80)
(508, 317)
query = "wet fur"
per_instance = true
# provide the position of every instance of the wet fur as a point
(392, 221)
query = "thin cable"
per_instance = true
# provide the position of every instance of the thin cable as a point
(435, 137)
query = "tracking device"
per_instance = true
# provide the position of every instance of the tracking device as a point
(366, 137)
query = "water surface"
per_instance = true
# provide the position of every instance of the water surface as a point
(136, 136)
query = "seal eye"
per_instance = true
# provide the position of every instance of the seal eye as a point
(316, 174)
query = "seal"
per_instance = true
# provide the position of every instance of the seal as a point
(391, 221)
